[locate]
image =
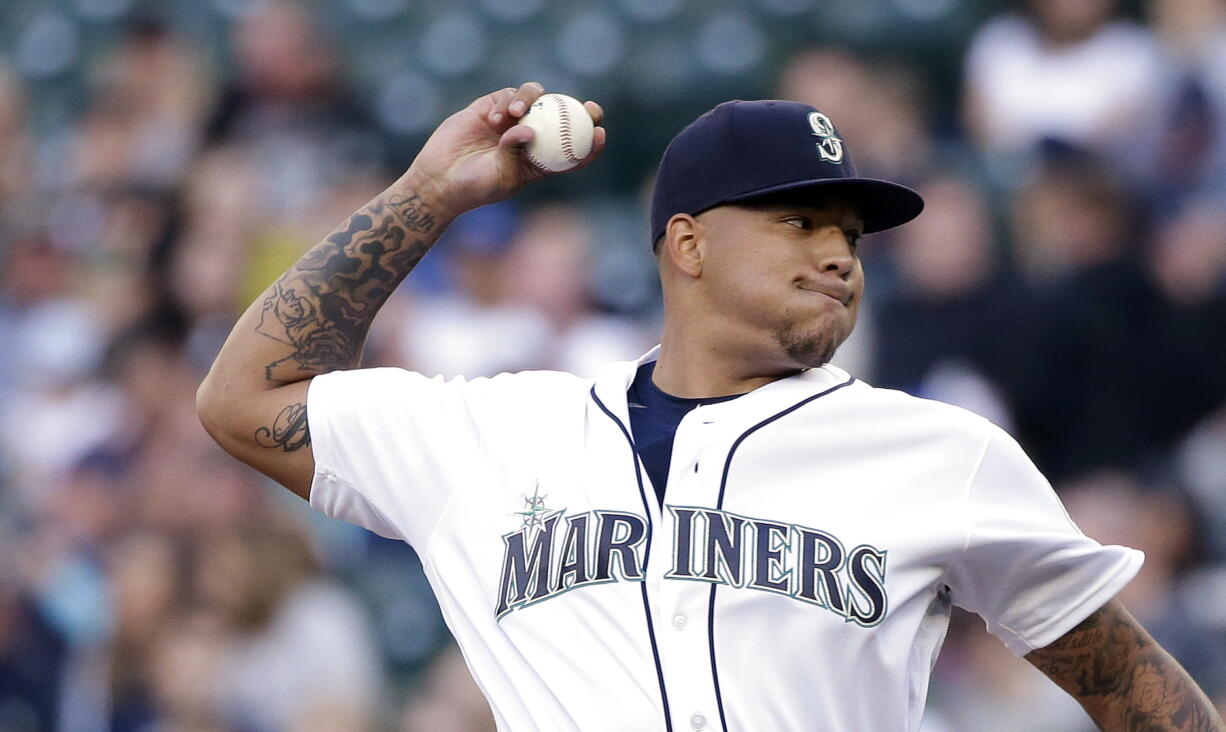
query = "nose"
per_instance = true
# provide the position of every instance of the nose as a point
(836, 256)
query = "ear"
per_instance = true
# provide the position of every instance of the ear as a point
(682, 244)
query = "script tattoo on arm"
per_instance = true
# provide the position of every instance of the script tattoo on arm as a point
(289, 431)
(322, 307)
(1123, 678)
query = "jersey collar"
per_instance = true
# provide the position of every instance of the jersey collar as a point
(614, 379)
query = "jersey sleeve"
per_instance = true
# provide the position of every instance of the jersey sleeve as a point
(1027, 569)
(391, 446)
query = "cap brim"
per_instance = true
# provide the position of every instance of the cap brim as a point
(882, 204)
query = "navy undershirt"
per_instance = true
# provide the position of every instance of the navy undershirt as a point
(654, 417)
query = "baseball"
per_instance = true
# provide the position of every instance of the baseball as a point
(563, 130)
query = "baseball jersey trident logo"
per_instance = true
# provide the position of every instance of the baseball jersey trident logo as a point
(829, 145)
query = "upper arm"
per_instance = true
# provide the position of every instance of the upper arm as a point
(1124, 679)
(1026, 568)
(266, 429)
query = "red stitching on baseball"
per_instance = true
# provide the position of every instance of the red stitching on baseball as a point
(568, 147)
(532, 159)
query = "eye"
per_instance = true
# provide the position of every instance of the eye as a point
(853, 238)
(800, 222)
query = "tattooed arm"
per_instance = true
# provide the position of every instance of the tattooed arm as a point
(1125, 680)
(315, 317)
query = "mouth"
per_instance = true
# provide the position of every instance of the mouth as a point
(841, 295)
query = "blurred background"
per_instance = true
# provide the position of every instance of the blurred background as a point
(162, 162)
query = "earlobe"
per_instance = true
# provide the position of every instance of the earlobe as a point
(683, 244)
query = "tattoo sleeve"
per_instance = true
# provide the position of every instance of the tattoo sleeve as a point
(1124, 679)
(322, 307)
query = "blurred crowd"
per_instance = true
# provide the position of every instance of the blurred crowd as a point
(1067, 280)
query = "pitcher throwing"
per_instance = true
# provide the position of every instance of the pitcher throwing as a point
(728, 533)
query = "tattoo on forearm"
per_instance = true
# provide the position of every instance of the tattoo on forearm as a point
(1125, 679)
(413, 212)
(323, 306)
(289, 431)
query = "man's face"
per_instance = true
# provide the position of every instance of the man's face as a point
(785, 274)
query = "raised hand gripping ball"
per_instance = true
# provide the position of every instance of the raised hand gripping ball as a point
(564, 132)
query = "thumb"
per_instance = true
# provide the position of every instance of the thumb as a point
(514, 139)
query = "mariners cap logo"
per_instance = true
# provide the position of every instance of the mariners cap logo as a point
(829, 145)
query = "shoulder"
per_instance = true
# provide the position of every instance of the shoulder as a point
(898, 410)
(388, 390)
(394, 378)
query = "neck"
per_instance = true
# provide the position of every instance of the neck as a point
(695, 363)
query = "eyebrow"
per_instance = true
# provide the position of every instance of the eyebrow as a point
(785, 206)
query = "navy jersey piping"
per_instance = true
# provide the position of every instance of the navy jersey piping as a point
(651, 633)
(723, 484)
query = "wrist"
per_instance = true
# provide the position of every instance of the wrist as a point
(425, 188)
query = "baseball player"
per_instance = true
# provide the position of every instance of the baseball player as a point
(728, 533)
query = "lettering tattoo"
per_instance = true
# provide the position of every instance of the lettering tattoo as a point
(289, 431)
(1123, 678)
(323, 306)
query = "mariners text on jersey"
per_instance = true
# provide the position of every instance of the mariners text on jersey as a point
(543, 560)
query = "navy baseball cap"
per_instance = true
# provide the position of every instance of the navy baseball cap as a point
(744, 150)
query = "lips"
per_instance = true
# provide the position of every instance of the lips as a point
(841, 292)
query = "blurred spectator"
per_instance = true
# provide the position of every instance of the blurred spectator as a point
(300, 654)
(463, 330)
(1073, 216)
(110, 685)
(16, 161)
(289, 108)
(1109, 335)
(956, 328)
(1067, 70)
(207, 269)
(147, 113)
(534, 284)
(183, 664)
(1201, 465)
(1188, 264)
(55, 410)
(1181, 149)
(549, 271)
(32, 656)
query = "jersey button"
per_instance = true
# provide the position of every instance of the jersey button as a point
(698, 721)
(679, 621)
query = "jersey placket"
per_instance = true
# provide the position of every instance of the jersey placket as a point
(618, 414)
(681, 605)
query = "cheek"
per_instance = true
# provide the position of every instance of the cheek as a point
(750, 282)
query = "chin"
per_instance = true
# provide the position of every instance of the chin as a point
(812, 346)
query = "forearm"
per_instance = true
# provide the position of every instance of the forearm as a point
(1124, 679)
(315, 317)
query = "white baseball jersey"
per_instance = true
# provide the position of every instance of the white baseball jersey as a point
(799, 576)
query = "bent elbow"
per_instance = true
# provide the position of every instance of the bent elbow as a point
(213, 409)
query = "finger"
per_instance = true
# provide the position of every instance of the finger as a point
(498, 101)
(598, 141)
(525, 95)
(595, 111)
